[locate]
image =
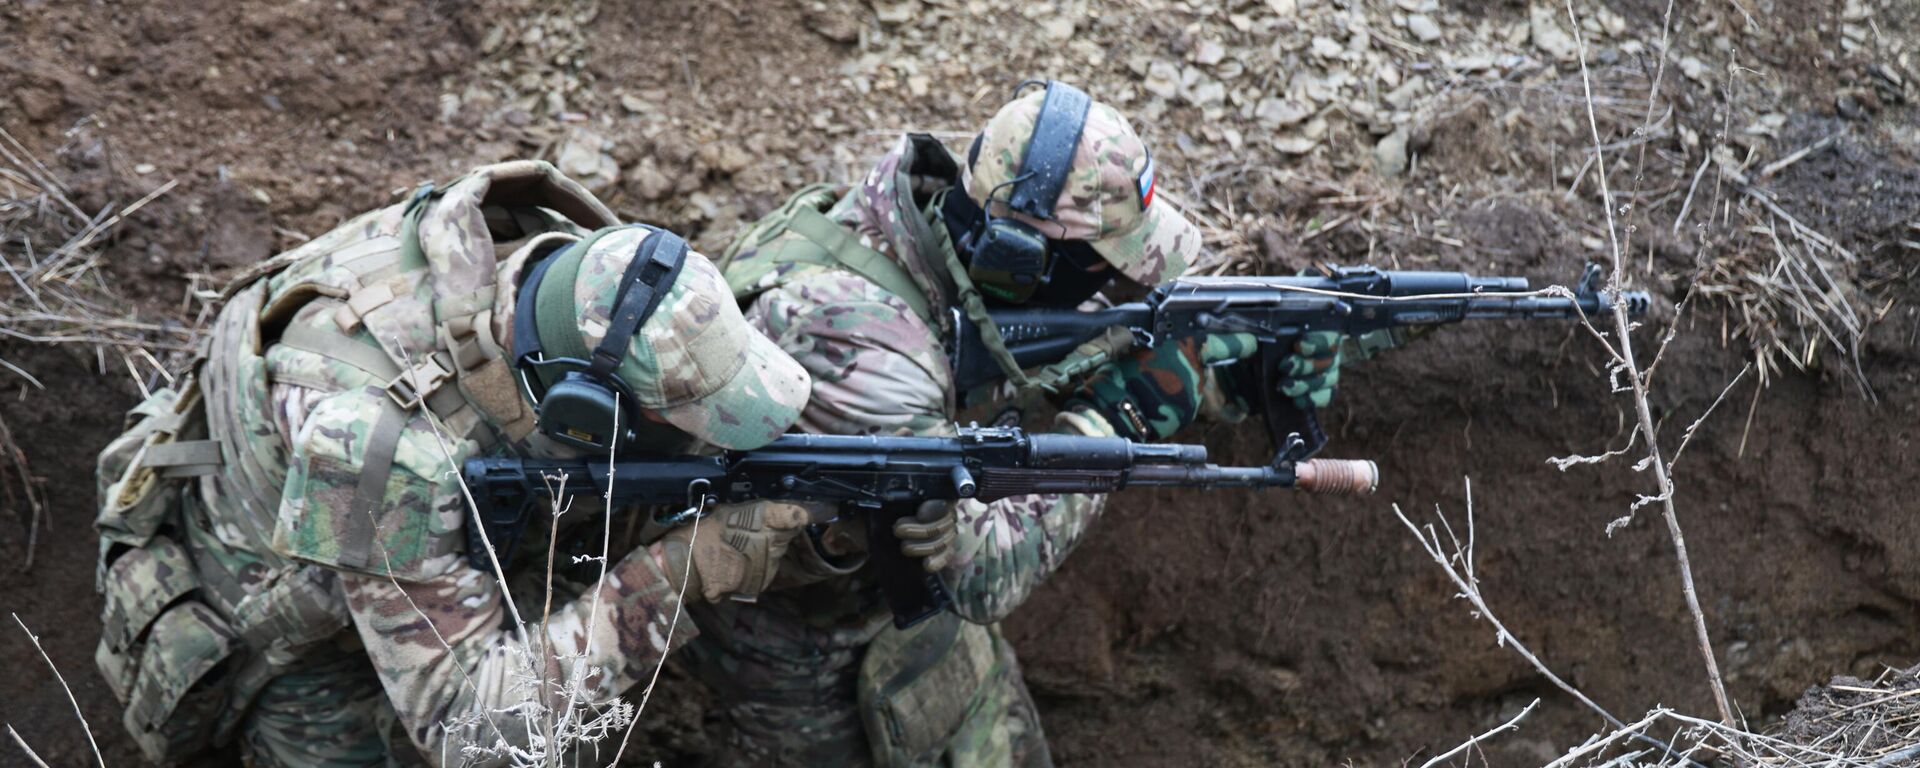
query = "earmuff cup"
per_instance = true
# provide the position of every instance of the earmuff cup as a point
(582, 408)
(583, 412)
(1008, 259)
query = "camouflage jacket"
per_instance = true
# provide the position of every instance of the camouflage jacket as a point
(878, 368)
(439, 632)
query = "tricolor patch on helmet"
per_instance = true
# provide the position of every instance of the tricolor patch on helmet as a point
(1145, 183)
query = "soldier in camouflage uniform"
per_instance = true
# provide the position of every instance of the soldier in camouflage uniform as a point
(814, 674)
(284, 554)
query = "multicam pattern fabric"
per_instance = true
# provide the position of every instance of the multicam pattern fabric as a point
(695, 361)
(884, 214)
(1108, 199)
(455, 682)
(430, 655)
(877, 369)
(422, 509)
(331, 714)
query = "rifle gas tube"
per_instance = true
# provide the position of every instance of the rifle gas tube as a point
(882, 478)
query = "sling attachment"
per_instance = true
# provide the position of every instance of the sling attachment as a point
(836, 246)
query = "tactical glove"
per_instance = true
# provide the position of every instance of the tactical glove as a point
(1152, 393)
(1311, 373)
(735, 552)
(928, 534)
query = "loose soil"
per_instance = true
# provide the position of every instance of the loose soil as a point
(1219, 629)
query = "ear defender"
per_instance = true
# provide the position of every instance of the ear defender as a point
(582, 409)
(1008, 259)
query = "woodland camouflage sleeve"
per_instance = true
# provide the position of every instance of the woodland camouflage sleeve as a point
(434, 627)
(877, 369)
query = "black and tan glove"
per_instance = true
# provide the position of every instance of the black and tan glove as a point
(735, 552)
(928, 534)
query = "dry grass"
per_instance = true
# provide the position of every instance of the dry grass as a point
(54, 291)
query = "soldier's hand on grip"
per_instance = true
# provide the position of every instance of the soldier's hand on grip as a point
(928, 534)
(735, 552)
(1152, 393)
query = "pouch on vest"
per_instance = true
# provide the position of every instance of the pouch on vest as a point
(917, 687)
(161, 651)
(149, 464)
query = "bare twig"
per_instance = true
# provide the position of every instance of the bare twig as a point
(1800, 154)
(63, 684)
(31, 755)
(1622, 328)
(1508, 725)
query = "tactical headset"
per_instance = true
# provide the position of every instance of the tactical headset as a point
(582, 408)
(1009, 259)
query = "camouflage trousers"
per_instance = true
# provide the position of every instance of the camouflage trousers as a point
(332, 715)
(789, 693)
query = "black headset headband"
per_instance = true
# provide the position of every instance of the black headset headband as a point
(1056, 136)
(648, 277)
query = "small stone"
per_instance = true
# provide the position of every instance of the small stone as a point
(1327, 48)
(583, 156)
(1163, 79)
(1058, 28)
(1280, 112)
(1293, 145)
(919, 85)
(1200, 90)
(1548, 35)
(1284, 8)
(1390, 154)
(648, 182)
(833, 22)
(1209, 53)
(1694, 69)
(634, 104)
(262, 196)
(1423, 27)
(896, 11)
(144, 169)
(1402, 97)
(727, 158)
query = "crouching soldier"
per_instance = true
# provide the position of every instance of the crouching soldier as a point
(284, 552)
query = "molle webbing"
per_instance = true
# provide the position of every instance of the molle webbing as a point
(838, 247)
(233, 390)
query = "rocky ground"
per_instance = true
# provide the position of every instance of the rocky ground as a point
(1251, 630)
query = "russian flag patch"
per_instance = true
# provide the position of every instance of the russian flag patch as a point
(1145, 182)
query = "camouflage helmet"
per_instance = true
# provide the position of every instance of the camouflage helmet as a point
(694, 363)
(1108, 199)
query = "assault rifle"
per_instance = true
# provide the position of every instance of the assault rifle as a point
(880, 478)
(1276, 310)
